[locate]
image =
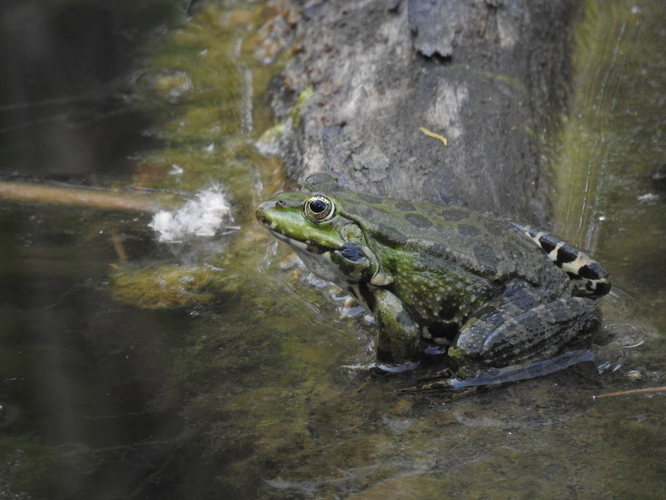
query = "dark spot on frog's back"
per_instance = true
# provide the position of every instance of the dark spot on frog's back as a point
(495, 228)
(512, 250)
(390, 236)
(321, 182)
(468, 230)
(486, 256)
(453, 214)
(368, 198)
(418, 220)
(405, 206)
(438, 250)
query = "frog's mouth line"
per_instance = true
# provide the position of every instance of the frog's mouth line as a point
(304, 246)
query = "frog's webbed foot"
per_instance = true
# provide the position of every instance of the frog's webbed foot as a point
(517, 328)
(449, 384)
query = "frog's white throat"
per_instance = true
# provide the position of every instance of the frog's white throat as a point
(316, 259)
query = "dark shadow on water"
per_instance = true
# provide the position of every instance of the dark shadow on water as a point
(64, 98)
(77, 369)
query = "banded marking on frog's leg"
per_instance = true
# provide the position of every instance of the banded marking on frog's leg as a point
(588, 277)
(399, 334)
(520, 329)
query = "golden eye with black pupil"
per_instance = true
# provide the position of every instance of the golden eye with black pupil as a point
(318, 208)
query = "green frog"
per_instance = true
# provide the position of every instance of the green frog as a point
(482, 291)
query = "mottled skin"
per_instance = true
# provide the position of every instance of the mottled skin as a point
(441, 275)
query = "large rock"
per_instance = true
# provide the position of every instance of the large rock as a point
(489, 76)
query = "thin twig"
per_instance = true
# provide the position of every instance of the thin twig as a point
(118, 246)
(81, 197)
(634, 391)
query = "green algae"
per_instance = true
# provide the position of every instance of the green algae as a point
(165, 287)
(611, 130)
(203, 86)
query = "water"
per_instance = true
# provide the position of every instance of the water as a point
(244, 386)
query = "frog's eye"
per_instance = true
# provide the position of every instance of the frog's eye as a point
(318, 208)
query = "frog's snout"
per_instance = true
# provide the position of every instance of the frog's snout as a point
(262, 210)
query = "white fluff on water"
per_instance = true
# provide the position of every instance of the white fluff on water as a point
(205, 216)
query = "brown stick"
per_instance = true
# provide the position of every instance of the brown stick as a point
(80, 197)
(634, 391)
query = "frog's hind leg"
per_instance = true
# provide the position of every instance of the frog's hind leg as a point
(517, 328)
(588, 277)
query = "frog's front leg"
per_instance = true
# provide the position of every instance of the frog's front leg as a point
(519, 328)
(398, 338)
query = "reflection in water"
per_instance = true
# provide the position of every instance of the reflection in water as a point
(75, 366)
(611, 155)
(76, 369)
(64, 95)
(246, 394)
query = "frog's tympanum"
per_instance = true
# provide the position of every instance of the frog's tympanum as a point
(486, 292)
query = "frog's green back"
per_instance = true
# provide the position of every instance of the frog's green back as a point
(481, 243)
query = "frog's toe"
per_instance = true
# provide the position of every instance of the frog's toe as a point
(384, 368)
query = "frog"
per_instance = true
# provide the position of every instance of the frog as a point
(484, 292)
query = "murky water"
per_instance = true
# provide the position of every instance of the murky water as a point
(244, 386)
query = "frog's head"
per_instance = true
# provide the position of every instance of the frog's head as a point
(313, 222)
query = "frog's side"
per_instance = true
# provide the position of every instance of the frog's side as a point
(444, 275)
